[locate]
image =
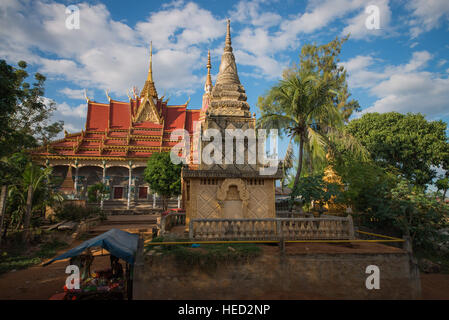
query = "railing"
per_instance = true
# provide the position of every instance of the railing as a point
(170, 220)
(325, 228)
(294, 214)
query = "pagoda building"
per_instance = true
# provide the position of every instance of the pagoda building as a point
(227, 189)
(118, 139)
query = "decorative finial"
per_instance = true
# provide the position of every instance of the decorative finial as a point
(228, 46)
(107, 94)
(85, 96)
(208, 85)
(150, 71)
(149, 89)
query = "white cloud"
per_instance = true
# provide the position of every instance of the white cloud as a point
(321, 13)
(65, 110)
(71, 128)
(359, 75)
(427, 15)
(414, 44)
(250, 12)
(73, 93)
(441, 62)
(403, 88)
(105, 53)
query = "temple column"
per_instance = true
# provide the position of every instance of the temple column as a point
(76, 178)
(154, 200)
(179, 202)
(129, 184)
(104, 182)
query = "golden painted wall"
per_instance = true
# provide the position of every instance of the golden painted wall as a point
(231, 199)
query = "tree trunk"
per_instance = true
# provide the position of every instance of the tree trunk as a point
(3, 195)
(298, 171)
(164, 203)
(28, 214)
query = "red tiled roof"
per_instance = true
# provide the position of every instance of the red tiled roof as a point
(110, 131)
(97, 116)
(120, 115)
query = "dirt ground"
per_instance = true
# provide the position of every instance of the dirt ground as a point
(40, 283)
(43, 282)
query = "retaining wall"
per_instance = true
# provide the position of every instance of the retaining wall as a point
(275, 276)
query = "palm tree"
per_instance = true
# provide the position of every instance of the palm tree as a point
(301, 106)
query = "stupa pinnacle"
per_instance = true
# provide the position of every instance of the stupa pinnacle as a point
(228, 94)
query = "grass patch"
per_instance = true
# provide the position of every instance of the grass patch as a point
(19, 259)
(207, 256)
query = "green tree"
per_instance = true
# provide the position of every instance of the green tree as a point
(163, 176)
(29, 195)
(443, 185)
(24, 112)
(407, 143)
(97, 192)
(324, 60)
(415, 213)
(310, 104)
(300, 105)
(314, 188)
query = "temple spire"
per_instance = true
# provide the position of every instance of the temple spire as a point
(150, 70)
(228, 95)
(228, 44)
(149, 88)
(208, 85)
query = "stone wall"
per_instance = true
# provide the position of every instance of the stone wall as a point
(274, 276)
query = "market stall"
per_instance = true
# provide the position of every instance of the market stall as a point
(112, 283)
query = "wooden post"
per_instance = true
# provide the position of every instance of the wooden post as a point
(3, 194)
(415, 277)
(191, 230)
(280, 236)
(351, 227)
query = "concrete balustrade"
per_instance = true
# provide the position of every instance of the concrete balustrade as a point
(324, 228)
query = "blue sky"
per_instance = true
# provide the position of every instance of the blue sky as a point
(403, 66)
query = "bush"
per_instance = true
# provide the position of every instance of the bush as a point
(97, 192)
(76, 213)
(412, 212)
(20, 258)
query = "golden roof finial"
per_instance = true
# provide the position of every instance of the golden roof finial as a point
(149, 88)
(150, 71)
(208, 85)
(85, 96)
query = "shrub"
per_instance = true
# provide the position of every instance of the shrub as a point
(76, 213)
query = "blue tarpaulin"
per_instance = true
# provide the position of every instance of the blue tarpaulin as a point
(119, 243)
